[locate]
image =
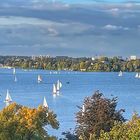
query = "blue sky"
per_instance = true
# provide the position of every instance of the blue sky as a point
(36, 27)
(97, 1)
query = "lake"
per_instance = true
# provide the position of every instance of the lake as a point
(26, 91)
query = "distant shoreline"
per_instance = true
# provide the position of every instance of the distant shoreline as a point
(64, 63)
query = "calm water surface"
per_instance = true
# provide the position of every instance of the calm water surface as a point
(27, 91)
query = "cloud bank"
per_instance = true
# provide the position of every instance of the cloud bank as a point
(38, 27)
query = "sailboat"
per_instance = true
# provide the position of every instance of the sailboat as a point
(45, 105)
(14, 71)
(137, 75)
(54, 90)
(8, 98)
(58, 86)
(39, 79)
(120, 74)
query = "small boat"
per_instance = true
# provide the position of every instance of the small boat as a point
(67, 82)
(120, 74)
(8, 98)
(137, 75)
(54, 90)
(45, 105)
(14, 71)
(39, 79)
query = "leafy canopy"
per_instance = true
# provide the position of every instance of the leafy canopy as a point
(23, 123)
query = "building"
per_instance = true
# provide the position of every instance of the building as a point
(93, 58)
(133, 57)
(40, 56)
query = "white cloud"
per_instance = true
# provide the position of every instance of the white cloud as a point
(112, 27)
(114, 10)
(53, 31)
(126, 28)
(129, 5)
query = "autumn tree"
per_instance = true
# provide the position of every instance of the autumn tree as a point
(97, 113)
(23, 123)
(124, 131)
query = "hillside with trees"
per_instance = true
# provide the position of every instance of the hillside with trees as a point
(103, 64)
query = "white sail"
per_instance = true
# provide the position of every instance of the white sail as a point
(54, 89)
(8, 97)
(120, 73)
(59, 85)
(137, 75)
(39, 79)
(45, 103)
(14, 71)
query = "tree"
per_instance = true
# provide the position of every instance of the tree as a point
(124, 131)
(98, 113)
(23, 123)
(69, 136)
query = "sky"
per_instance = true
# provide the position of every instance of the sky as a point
(97, 1)
(66, 27)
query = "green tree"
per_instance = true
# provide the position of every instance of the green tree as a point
(124, 131)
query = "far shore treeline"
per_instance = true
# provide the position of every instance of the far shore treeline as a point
(103, 64)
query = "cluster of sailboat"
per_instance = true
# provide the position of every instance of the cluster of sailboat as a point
(8, 100)
(136, 76)
(56, 88)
